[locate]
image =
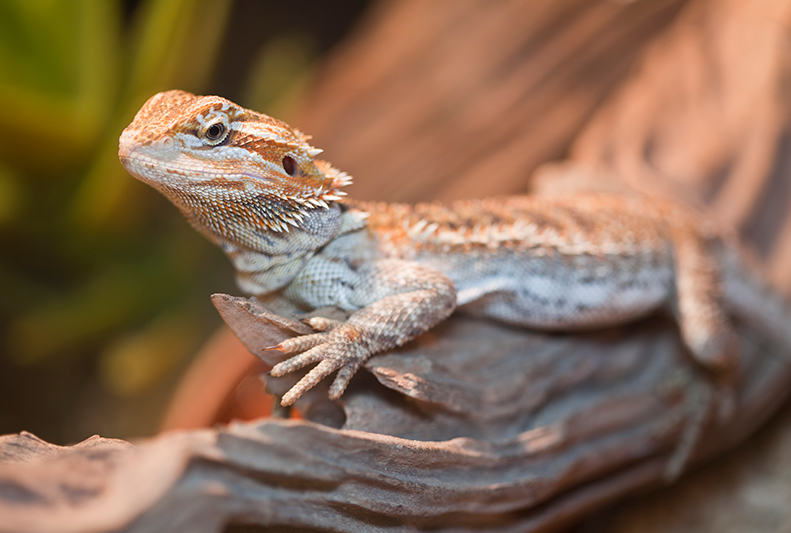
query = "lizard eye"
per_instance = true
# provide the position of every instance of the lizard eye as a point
(215, 131)
(289, 165)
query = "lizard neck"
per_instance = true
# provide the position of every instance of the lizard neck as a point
(266, 256)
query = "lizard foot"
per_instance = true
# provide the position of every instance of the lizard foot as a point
(339, 349)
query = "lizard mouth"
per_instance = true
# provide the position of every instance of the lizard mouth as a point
(128, 151)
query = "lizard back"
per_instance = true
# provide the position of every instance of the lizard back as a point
(555, 263)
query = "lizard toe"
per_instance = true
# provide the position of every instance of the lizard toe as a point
(310, 380)
(301, 343)
(342, 380)
(317, 353)
(319, 323)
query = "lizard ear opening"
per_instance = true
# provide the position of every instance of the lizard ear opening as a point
(289, 165)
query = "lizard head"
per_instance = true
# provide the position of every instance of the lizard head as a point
(209, 156)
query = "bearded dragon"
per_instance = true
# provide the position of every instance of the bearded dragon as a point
(253, 186)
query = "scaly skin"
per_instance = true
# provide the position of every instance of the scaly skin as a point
(251, 184)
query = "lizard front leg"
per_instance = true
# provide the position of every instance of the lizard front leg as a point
(395, 301)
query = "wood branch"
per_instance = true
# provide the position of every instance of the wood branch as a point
(473, 427)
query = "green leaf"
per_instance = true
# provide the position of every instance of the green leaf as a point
(58, 78)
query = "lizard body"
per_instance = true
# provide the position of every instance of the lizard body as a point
(251, 184)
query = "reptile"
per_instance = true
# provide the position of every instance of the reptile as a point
(567, 262)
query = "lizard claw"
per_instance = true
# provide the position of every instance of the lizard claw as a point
(333, 351)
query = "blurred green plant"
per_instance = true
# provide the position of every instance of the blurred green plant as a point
(86, 255)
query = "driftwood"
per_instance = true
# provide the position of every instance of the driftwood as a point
(490, 429)
(474, 426)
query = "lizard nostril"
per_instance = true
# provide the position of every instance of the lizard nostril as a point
(289, 165)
